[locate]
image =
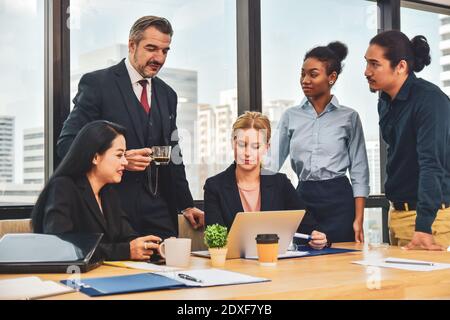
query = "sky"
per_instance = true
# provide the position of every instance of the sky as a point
(204, 40)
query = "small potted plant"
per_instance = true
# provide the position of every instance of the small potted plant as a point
(216, 241)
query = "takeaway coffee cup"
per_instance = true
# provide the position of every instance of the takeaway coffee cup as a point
(176, 251)
(267, 247)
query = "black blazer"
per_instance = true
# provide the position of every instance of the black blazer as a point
(108, 95)
(222, 200)
(71, 207)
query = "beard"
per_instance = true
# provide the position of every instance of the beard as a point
(141, 68)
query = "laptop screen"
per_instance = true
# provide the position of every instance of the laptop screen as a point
(34, 248)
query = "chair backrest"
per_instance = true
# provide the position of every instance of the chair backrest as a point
(185, 230)
(15, 226)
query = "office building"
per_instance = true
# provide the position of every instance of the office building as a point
(6, 149)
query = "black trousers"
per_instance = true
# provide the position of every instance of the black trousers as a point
(332, 204)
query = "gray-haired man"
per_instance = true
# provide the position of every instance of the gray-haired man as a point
(131, 94)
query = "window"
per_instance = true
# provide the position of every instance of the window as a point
(22, 99)
(201, 67)
(289, 29)
(436, 28)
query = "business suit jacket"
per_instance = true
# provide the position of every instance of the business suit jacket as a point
(222, 200)
(71, 207)
(108, 95)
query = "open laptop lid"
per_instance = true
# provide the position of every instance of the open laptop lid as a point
(247, 225)
(32, 248)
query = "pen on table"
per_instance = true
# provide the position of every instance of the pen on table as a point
(302, 236)
(411, 263)
(188, 277)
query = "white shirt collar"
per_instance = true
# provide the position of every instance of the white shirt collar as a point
(134, 75)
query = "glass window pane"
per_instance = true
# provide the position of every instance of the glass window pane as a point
(436, 28)
(289, 29)
(201, 68)
(21, 101)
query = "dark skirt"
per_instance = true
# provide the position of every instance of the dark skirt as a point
(332, 204)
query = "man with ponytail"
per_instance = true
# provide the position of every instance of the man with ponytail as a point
(415, 123)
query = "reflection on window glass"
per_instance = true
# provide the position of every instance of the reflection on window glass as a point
(290, 28)
(201, 68)
(436, 28)
(21, 101)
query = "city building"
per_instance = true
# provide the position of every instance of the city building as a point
(6, 149)
(33, 156)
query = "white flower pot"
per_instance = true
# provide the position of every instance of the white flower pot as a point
(218, 256)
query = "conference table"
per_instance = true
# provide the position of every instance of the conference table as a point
(319, 277)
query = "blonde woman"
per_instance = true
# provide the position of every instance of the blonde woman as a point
(245, 187)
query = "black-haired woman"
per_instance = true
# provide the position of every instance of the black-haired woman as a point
(415, 123)
(324, 139)
(78, 198)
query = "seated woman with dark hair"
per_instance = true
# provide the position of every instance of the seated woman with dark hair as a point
(245, 187)
(79, 197)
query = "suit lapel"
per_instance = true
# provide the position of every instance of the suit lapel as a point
(160, 101)
(91, 202)
(267, 191)
(231, 195)
(124, 83)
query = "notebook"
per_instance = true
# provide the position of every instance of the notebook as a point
(404, 264)
(140, 266)
(29, 288)
(96, 287)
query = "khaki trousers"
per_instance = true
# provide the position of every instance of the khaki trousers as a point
(402, 225)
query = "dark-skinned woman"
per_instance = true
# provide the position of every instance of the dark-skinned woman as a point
(324, 140)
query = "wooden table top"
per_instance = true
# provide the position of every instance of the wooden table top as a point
(320, 277)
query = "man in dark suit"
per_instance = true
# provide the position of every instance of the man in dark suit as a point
(131, 95)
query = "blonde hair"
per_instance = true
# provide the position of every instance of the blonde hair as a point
(253, 120)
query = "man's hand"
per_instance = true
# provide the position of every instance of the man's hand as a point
(195, 216)
(138, 159)
(359, 231)
(423, 241)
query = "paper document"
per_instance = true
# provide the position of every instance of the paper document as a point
(212, 277)
(140, 265)
(404, 264)
(288, 254)
(30, 288)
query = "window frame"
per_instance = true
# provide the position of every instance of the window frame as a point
(248, 30)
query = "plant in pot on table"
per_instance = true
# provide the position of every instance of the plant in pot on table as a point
(216, 241)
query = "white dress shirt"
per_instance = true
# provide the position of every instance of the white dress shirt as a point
(135, 78)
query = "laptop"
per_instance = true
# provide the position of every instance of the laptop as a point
(44, 253)
(247, 225)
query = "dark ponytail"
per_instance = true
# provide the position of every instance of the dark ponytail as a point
(398, 47)
(421, 51)
(332, 55)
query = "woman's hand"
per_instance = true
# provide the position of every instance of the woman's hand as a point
(142, 248)
(319, 240)
(359, 231)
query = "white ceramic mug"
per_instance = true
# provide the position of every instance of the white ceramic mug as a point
(176, 251)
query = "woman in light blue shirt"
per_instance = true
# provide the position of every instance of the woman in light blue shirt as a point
(325, 139)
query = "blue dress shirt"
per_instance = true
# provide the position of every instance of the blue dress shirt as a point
(321, 147)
